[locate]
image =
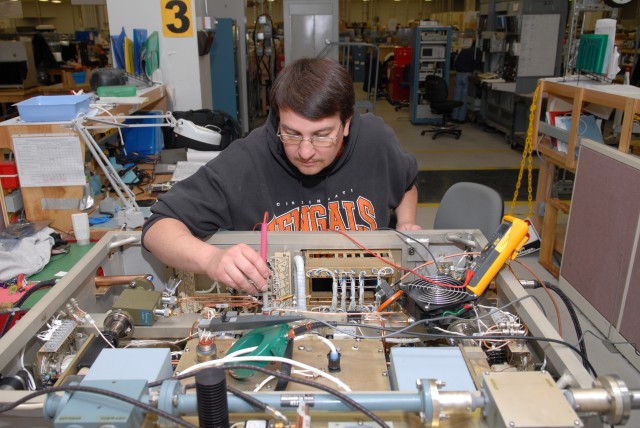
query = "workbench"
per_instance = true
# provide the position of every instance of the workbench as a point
(33, 197)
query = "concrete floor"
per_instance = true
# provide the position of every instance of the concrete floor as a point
(478, 149)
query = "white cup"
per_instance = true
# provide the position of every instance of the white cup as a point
(80, 223)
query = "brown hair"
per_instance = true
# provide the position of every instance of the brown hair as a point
(314, 88)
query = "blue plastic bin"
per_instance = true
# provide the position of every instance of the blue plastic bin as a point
(146, 140)
(53, 108)
(79, 77)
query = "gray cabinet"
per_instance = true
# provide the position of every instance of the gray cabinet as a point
(431, 56)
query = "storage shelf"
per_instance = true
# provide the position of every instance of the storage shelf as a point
(579, 93)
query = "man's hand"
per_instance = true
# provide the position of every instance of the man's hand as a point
(239, 267)
(408, 226)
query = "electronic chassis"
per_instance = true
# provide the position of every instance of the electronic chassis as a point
(369, 328)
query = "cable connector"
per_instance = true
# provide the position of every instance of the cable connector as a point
(276, 414)
(89, 319)
(467, 276)
(529, 283)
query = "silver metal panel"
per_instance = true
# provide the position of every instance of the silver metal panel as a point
(526, 400)
(307, 24)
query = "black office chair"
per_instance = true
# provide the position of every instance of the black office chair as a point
(436, 92)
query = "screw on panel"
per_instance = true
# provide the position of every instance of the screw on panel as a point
(419, 384)
(512, 424)
(423, 417)
(385, 374)
(440, 384)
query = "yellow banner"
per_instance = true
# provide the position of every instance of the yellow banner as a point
(177, 20)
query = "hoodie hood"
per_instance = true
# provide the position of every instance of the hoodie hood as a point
(277, 151)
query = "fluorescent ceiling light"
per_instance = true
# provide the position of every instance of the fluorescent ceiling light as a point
(56, 1)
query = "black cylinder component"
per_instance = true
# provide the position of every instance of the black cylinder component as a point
(211, 390)
(334, 361)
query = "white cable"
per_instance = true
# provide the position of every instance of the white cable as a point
(403, 339)
(330, 344)
(93, 323)
(241, 352)
(32, 382)
(263, 383)
(115, 121)
(361, 288)
(214, 284)
(352, 302)
(229, 359)
(304, 373)
(343, 289)
(448, 332)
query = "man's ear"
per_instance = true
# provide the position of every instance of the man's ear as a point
(345, 130)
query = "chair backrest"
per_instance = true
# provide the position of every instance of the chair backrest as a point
(470, 206)
(435, 89)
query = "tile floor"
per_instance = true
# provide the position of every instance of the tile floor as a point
(477, 149)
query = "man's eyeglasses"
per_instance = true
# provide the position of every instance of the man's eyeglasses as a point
(316, 141)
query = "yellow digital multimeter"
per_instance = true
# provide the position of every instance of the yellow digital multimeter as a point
(505, 243)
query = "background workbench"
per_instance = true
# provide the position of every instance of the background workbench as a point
(32, 196)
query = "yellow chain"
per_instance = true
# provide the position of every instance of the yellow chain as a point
(527, 154)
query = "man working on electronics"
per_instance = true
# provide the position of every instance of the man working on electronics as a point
(316, 164)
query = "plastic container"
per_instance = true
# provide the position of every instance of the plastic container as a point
(117, 91)
(144, 141)
(53, 108)
(9, 175)
(79, 77)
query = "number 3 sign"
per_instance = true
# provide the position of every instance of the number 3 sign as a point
(176, 18)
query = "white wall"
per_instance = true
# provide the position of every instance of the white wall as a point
(179, 61)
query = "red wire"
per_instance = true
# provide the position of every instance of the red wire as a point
(413, 271)
(263, 237)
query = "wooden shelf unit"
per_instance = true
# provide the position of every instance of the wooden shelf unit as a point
(32, 196)
(580, 93)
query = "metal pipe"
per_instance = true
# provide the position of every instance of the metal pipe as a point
(590, 400)
(378, 402)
